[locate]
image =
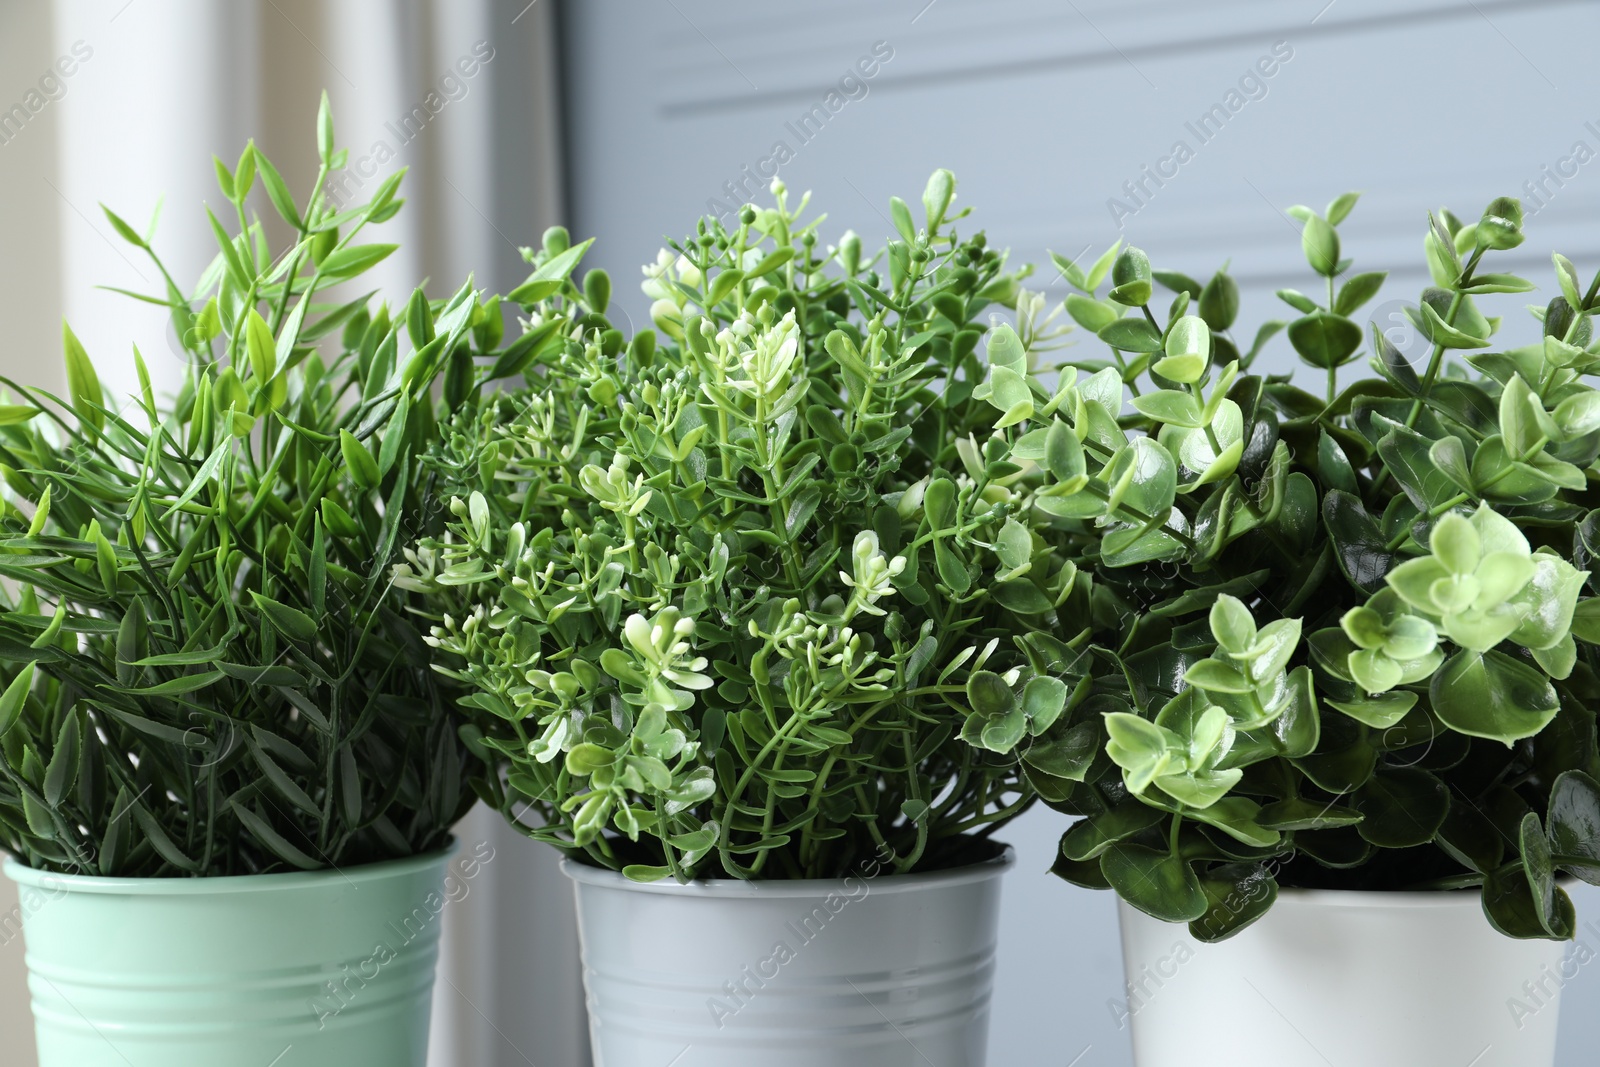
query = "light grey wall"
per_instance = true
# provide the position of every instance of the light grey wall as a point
(1044, 110)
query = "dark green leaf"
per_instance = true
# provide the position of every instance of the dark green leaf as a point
(1132, 335)
(1325, 340)
(291, 622)
(1401, 807)
(1237, 894)
(1093, 836)
(1155, 882)
(1574, 825)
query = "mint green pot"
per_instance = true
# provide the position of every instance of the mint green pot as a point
(315, 969)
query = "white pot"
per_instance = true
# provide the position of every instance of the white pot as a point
(1349, 979)
(866, 971)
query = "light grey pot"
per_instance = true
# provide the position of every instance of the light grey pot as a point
(886, 971)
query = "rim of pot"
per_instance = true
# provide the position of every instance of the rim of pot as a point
(232, 883)
(983, 870)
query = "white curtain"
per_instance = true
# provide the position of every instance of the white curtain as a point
(464, 93)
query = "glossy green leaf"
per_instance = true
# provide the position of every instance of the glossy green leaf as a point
(1093, 315)
(1357, 290)
(1155, 883)
(1491, 695)
(1237, 895)
(1320, 242)
(1090, 838)
(1573, 822)
(1131, 335)
(1130, 278)
(1325, 340)
(1219, 301)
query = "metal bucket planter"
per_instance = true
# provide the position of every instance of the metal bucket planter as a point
(1327, 976)
(311, 969)
(866, 971)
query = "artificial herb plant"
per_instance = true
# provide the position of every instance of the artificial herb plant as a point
(1329, 641)
(710, 588)
(207, 671)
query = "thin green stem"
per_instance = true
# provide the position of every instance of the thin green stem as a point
(1436, 357)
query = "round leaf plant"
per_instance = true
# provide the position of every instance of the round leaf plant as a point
(1345, 640)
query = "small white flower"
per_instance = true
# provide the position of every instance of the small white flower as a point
(874, 574)
(688, 273)
(654, 284)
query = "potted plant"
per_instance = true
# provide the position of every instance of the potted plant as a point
(708, 588)
(227, 774)
(1331, 657)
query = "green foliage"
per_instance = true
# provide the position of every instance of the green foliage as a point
(713, 588)
(208, 670)
(1340, 641)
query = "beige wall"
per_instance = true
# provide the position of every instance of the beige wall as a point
(31, 352)
(29, 227)
(16, 1023)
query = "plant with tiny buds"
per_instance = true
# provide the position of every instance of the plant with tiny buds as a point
(711, 594)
